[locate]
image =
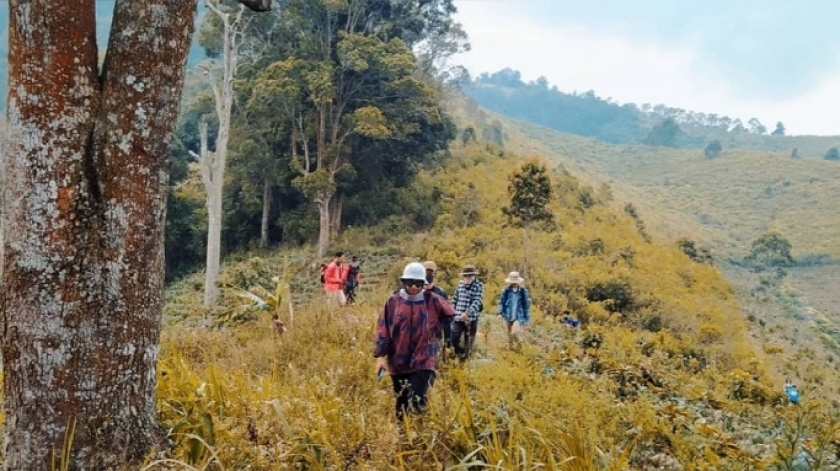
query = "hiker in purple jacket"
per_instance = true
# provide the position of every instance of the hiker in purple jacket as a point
(407, 339)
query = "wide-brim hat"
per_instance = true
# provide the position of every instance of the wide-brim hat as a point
(469, 270)
(514, 278)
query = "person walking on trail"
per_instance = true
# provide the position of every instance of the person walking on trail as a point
(354, 276)
(334, 277)
(468, 303)
(406, 339)
(431, 269)
(515, 307)
(791, 392)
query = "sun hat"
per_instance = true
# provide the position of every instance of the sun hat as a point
(514, 278)
(414, 271)
(469, 270)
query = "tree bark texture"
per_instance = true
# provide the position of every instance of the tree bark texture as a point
(266, 211)
(337, 204)
(84, 208)
(324, 225)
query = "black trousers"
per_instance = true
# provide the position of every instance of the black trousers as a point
(446, 333)
(460, 329)
(412, 391)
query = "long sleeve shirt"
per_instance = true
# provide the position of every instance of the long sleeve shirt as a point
(408, 331)
(334, 277)
(469, 298)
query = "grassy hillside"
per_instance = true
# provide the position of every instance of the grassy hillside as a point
(661, 375)
(724, 204)
(731, 199)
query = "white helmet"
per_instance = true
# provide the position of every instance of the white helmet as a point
(414, 271)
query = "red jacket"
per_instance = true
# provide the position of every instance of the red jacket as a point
(408, 330)
(334, 277)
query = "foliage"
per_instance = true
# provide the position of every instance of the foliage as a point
(530, 192)
(771, 249)
(713, 150)
(664, 134)
(693, 251)
(832, 154)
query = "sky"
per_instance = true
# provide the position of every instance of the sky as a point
(775, 60)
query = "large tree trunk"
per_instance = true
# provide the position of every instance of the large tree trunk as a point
(214, 245)
(337, 203)
(266, 211)
(324, 225)
(84, 208)
(213, 163)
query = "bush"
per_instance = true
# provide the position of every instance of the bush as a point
(713, 150)
(617, 295)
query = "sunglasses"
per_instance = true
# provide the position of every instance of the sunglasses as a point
(414, 283)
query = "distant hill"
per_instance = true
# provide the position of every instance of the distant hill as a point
(586, 114)
(726, 201)
(104, 12)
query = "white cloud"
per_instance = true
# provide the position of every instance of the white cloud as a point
(629, 69)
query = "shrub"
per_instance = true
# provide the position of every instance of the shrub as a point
(617, 295)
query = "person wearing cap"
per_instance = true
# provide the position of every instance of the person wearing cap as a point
(515, 306)
(469, 302)
(431, 269)
(407, 339)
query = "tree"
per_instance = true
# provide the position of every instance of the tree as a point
(771, 249)
(780, 129)
(343, 84)
(832, 154)
(83, 218)
(713, 149)
(756, 127)
(213, 163)
(530, 192)
(664, 134)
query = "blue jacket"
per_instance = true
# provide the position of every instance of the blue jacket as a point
(523, 314)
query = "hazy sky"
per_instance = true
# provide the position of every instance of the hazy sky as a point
(777, 60)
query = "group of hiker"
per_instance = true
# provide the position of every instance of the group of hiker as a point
(419, 317)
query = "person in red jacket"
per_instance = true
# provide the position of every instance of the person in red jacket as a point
(407, 339)
(334, 277)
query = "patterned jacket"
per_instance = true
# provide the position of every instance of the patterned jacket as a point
(408, 331)
(469, 298)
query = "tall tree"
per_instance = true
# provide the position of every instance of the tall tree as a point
(530, 192)
(664, 133)
(333, 89)
(83, 217)
(213, 163)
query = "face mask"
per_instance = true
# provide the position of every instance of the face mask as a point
(430, 278)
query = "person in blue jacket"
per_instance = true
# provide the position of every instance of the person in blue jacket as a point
(792, 392)
(515, 307)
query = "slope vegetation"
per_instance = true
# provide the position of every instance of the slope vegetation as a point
(662, 373)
